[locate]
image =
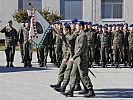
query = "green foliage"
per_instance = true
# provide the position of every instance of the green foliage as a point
(49, 16)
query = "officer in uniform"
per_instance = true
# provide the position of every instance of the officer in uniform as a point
(58, 44)
(66, 55)
(125, 45)
(21, 39)
(80, 66)
(26, 45)
(118, 38)
(110, 53)
(104, 40)
(43, 52)
(91, 37)
(11, 39)
(130, 53)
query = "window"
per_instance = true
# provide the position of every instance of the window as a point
(72, 8)
(112, 9)
(23, 4)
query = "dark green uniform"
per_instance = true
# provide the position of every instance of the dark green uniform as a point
(21, 41)
(11, 39)
(91, 40)
(110, 53)
(58, 48)
(117, 46)
(80, 66)
(125, 46)
(130, 53)
(104, 40)
(26, 48)
(43, 52)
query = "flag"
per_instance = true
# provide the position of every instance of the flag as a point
(39, 28)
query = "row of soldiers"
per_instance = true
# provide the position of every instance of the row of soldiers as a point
(108, 44)
(84, 44)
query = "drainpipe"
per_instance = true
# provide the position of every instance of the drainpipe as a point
(92, 11)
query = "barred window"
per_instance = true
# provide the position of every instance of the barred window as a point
(22, 4)
(112, 9)
(72, 8)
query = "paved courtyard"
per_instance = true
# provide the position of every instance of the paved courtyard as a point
(33, 83)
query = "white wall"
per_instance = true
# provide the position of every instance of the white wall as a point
(54, 5)
(7, 8)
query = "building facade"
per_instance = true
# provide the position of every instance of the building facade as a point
(97, 11)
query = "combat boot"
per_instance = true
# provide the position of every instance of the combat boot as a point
(90, 93)
(11, 64)
(29, 64)
(61, 89)
(25, 64)
(69, 93)
(56, 85)
(84, 91)
(7, 64)
(77, 87)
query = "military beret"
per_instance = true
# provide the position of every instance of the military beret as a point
(131, 25)
(58, 22)
(74, 20)
(65, 23)
(126, 24)
(89, 23)
(110, 25)
(22, 21)
(81, 23)
(10, 21)
(114, 25)
(100, 26)
(96, 24)
(121, 24)
(67, 26)
(85, 22)
(26, 21)
(118, 25)
(104, 26)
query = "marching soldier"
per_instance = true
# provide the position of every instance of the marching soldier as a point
(66, 55)
(117, 45)
(11, 39)
(130, 40)
(80, 66)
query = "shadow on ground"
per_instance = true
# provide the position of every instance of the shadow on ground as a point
(21, 69)
(114, 93)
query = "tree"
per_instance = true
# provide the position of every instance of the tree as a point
(49, 16)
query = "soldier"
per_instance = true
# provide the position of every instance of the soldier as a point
(26, 45)
(21, 39)
(126, 45)
(130, 40)
(11, 39)
(50, 45)
(117, 45)
(110, 53)
(80, 68)
(43, 52)
(104, 40)
(91, 37)
(97, 50)
(66, 55)
(58, 44)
